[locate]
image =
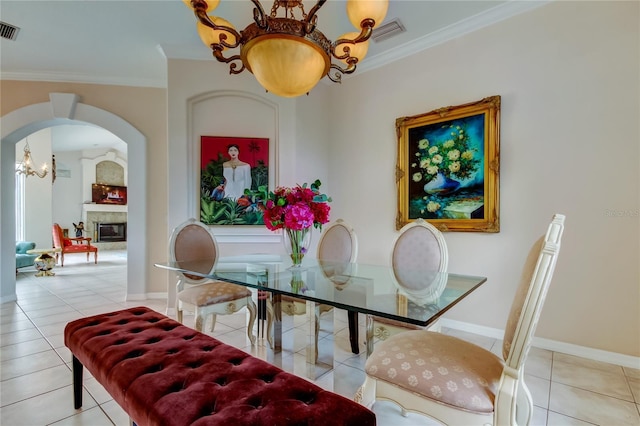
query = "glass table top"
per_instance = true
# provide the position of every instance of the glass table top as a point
(411, 295)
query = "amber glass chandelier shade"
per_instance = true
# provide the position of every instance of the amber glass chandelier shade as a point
(209, 36)
(356, 50)
(285, 66)
(358, 10)
(211, 4)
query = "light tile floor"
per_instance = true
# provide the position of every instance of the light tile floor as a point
(35, 374)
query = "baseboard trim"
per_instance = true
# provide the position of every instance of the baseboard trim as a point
(548, 344)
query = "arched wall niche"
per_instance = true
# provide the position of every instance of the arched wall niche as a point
(65, 108)
(239, 114)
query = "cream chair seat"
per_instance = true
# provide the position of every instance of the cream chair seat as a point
(419, 250)
(192, 240)
(459, 383)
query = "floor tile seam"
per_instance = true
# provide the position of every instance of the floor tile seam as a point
(628, 388)
(636, 399)
(35, 371)
(38, 395)
(595, 393)
(571, 417)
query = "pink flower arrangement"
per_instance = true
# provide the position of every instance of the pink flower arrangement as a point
(296, 208)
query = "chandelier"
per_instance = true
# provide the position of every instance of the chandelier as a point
(289, 55)
(24, 167)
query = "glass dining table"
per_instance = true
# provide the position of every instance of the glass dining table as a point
(412, 295)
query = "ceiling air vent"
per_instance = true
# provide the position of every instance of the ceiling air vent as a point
(8, 31)
(387, 30)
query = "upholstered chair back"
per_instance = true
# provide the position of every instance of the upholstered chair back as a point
(531, 294)
(193, 241)
(419, 249)
(338, 243)
(58, 238)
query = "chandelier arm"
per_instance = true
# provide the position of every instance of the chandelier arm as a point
(311, 19)
(259, 16)
(337, 76)
(367, 29)
(217, 53)
(201, 14)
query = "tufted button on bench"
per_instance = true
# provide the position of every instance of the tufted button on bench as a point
(164, 373)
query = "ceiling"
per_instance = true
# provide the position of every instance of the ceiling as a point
(128, 42)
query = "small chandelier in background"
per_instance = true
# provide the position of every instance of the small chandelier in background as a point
(25, 166)
(289, 56)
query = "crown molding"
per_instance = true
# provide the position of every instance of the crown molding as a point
(484, 19)
(83, 78)
(489, 17)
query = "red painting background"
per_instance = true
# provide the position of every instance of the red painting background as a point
(212, 145)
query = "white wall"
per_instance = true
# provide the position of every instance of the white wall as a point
(67, 191)
(37, 190)
(568, 74)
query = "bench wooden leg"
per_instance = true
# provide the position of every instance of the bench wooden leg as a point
(77, 383)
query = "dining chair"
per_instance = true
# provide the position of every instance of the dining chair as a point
(418, 250)
(457, 382)
(338, 244)
(191, 241)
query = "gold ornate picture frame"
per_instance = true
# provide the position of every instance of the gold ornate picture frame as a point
(448, 167)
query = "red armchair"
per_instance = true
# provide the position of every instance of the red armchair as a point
(66, 245)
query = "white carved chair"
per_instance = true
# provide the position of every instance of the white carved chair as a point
(459, 383)
(419, 249)
(338, 243)
(192, 240)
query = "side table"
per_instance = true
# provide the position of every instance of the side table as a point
(45, 262)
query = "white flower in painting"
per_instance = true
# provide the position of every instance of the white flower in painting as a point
(413, 380)
(437, 159)
(425, 162)
(392, 373)
(432, 170)
(467, 155)
(448, 144)
(460, 136)
(417, 177)
(423, 143)
(406, 366)
(454, 154)
(454, 167)
(432, 206)
(433, 150)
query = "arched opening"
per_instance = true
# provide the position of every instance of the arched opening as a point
(64, 108)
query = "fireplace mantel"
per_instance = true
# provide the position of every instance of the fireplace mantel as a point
(93, 207)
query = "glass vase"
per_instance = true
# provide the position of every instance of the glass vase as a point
(296, 243)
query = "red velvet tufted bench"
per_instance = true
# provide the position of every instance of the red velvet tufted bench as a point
(164, 373)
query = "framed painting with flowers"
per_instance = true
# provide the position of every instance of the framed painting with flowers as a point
(233, 172)
(448, 167)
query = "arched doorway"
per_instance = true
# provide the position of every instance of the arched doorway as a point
(64, 108)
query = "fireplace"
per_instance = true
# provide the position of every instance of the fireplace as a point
(111, 232)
